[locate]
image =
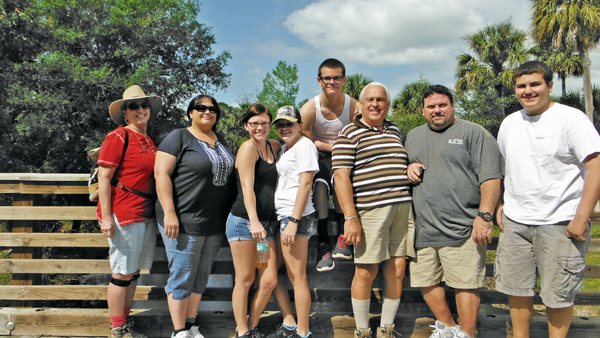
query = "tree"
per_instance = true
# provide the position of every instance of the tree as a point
(564, 63)
(410, 99)
(571, 23)
(574, 99)
(484, 85)
(280, 87)
(355, 84)
(56, 95)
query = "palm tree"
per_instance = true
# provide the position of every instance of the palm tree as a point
(498, 50)
(355, 84)
(564, 63)
(574, 23)
(410, 99)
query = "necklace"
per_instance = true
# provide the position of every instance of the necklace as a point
(260, 152)
(142, 144)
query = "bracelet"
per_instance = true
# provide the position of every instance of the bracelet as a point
(292, 219)
(351, 218)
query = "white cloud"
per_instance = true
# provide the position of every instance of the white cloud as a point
(399, 32)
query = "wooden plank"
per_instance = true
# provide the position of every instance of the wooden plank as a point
(54, 266)
(49, 177)
(68, 292)
(85, 240)
(21, 188)
(47, 213)
(61, 322)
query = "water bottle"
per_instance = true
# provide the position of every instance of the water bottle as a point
(312, 225)
(262, 251)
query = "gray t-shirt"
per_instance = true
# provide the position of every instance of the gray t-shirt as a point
(458, 159)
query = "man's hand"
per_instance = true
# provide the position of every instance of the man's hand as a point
(577, 229)
(499, 211)
(414, 172)
(482, 231)
(352, 231)
(108, 226)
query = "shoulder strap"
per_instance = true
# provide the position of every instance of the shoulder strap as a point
(125, 146)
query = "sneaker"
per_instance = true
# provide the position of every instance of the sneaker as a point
(182, 334)
(257, 333)
(297, 335)
(440, 330)
(282, 332)
(194, 333)
(457, 333)
(245, 335)
(342, 250)
(125, 331)
(363, 333)
(325, 262)
(387, 331)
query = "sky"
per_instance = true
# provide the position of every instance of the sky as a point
(394, 42)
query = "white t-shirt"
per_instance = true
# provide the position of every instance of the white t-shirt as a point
(301, 158)
(543, 157)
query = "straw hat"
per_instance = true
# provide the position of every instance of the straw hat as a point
(134, 92)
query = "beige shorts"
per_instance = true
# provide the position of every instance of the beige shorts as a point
(386, 233)
(461, 267)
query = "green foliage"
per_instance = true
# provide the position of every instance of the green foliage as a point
(575, 100)
(410, 99)
(230, 125)
(407, 122)
(355, 84)
(280, 87)
(499, 49)
(67, 60)
(485, 107)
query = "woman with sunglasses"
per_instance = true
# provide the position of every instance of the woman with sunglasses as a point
(253, 219)
(297, 165)
(196, 187)
(126, 201)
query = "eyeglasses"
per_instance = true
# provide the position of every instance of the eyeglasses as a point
(256, 124)
(336, 78)
(202, 108)
(280, 125)
(136, 106)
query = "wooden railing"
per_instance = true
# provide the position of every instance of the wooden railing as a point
(25, 317)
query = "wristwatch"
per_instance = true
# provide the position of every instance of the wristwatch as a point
(293, 219)
(486, 216)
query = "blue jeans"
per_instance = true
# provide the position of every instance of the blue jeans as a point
(238, 229)
(306, 228)
(190, 262)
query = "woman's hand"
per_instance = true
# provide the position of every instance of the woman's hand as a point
(108, 227)
(288, 237)
(258, 230)
(171, 225)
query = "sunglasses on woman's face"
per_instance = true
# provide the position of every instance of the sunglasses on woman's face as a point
(280, 125)
(202, 108)
(136, 106)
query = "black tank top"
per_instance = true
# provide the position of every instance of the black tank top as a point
(265, 183)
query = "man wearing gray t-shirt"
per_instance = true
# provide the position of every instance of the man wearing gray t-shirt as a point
(456, 168)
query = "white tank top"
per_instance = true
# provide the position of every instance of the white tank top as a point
(327, 130)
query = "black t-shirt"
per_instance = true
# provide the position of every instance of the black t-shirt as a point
(203, 183)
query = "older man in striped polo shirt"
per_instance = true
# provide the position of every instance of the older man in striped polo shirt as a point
(373, 190)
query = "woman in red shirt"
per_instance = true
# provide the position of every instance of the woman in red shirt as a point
(126, 193)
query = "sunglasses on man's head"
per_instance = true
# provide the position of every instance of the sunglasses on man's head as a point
(136, 106)
(280, 125)
(202, 108)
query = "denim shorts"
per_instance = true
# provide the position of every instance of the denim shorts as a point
(238, 229)
(190, 262)
(306, 228)
(560, 262)
(132, 247)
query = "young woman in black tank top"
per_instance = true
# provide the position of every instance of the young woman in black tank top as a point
(253, 218)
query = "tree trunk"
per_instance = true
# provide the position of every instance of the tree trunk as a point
(587, 81)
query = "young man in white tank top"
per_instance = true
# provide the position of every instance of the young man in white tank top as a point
(323, 117)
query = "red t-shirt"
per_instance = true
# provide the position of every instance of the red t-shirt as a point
(136, 171)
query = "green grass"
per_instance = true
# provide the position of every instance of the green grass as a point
(5, 278)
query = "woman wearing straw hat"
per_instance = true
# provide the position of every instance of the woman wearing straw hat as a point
(195, 184)
(126, 192)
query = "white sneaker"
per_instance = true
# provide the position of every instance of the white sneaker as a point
(182, 334)
(194, 333)
(457, 333)
(440, 330)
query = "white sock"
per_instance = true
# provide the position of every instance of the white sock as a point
(361, 313)
(388, 311)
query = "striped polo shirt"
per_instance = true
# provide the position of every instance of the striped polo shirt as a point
(378, 161)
